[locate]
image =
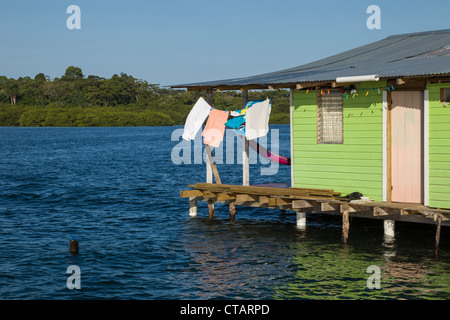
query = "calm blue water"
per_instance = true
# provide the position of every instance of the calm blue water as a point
(117, 191)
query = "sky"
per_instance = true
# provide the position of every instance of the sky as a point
(180, 41)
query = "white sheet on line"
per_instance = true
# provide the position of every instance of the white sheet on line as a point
(195, 119)
(257, 120)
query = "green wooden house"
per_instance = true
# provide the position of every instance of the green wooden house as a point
(373, 120)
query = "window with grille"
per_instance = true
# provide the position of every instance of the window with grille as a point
(330, 118)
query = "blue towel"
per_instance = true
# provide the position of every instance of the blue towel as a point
(235, 122)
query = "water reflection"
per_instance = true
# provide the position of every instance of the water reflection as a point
(337, 271)
(402, 279)
(275, 260)
(325, 271)
(235, 260)
(390, 246)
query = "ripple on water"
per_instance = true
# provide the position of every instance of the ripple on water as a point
(117, 191)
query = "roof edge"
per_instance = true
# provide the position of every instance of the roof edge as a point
(423, 33)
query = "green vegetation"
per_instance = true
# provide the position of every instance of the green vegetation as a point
(75, 100)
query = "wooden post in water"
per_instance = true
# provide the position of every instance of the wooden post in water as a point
(232, 209)
(345, 225)
(301, 219)
(192, 206)
(438, 235)
(211, 208)
(73, 246)
(389, 228)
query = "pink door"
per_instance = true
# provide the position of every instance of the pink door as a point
(407, 146)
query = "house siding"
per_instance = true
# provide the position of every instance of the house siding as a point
(439, 148)
(354, 166)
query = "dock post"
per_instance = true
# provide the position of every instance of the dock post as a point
(211, 208)
(438, 235)
(389, 228)
(192, 207)
(301, 219)
(209, 173)
(232, 209)
(345, 225)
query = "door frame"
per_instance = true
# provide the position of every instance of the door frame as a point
(387, 165)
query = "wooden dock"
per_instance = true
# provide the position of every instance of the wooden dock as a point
(319, 201)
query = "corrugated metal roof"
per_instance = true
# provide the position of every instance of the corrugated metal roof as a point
(405, 55)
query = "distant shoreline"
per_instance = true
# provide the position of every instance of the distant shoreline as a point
(76, 100)
(38, 116)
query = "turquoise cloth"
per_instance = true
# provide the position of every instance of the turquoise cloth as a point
(235, 122)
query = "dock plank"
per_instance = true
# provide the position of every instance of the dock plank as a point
(286, 192)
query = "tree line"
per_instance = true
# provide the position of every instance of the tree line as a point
(122, 100)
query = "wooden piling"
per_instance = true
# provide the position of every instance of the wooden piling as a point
(232, 209)
(73, 245)
(389, 228)
(192, 206)
(301, 219)
(345, 225)
(211, 208)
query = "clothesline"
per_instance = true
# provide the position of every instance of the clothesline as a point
(252, 121)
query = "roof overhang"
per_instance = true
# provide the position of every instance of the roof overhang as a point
(315, 85)
(409, 56)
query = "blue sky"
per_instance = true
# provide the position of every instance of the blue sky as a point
(171, 42)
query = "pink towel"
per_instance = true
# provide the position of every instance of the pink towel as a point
(215, 127)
